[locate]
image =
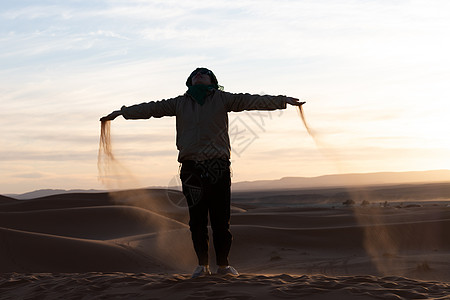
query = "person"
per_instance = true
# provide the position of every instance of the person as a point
(204, 153)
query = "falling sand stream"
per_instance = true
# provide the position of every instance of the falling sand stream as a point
(172, 239)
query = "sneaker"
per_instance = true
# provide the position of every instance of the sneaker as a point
(228, 270)
(201, 271)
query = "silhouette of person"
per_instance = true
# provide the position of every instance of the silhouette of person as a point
(204, 153)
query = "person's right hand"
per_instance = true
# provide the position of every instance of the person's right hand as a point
(111, 116)
(294, 101)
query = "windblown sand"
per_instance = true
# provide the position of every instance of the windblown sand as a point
(94, 246)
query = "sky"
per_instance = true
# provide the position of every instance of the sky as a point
(375, 76)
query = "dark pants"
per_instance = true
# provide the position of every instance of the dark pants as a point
(206, 186)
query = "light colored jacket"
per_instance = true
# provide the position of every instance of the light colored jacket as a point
(202, 130)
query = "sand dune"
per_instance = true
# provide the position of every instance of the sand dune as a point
(57, 202)
(4, 199)
(154, 198)
(137, 245)
(35, 252)
(102, 223)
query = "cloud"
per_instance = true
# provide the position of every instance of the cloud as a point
(46, 156)
(32, 12)
(34, 175)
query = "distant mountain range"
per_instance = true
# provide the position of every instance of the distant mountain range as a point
(346, 180)
(336, 180)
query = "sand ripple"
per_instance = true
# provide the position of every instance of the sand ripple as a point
(96, 285)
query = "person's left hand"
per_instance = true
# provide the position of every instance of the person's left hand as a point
(294, 101)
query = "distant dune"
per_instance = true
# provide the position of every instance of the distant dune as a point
(5, 199)
(50, 192)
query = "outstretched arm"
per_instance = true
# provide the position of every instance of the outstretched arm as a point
(155, 109)
(111, 116)
(240, 102)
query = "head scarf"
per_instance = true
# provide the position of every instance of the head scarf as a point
(200, 91)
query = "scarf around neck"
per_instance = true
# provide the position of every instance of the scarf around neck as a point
(199, 92)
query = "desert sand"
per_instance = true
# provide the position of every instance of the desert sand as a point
(287, 245)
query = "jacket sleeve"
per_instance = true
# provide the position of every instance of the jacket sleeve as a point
(155, 109)
(240, 102)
